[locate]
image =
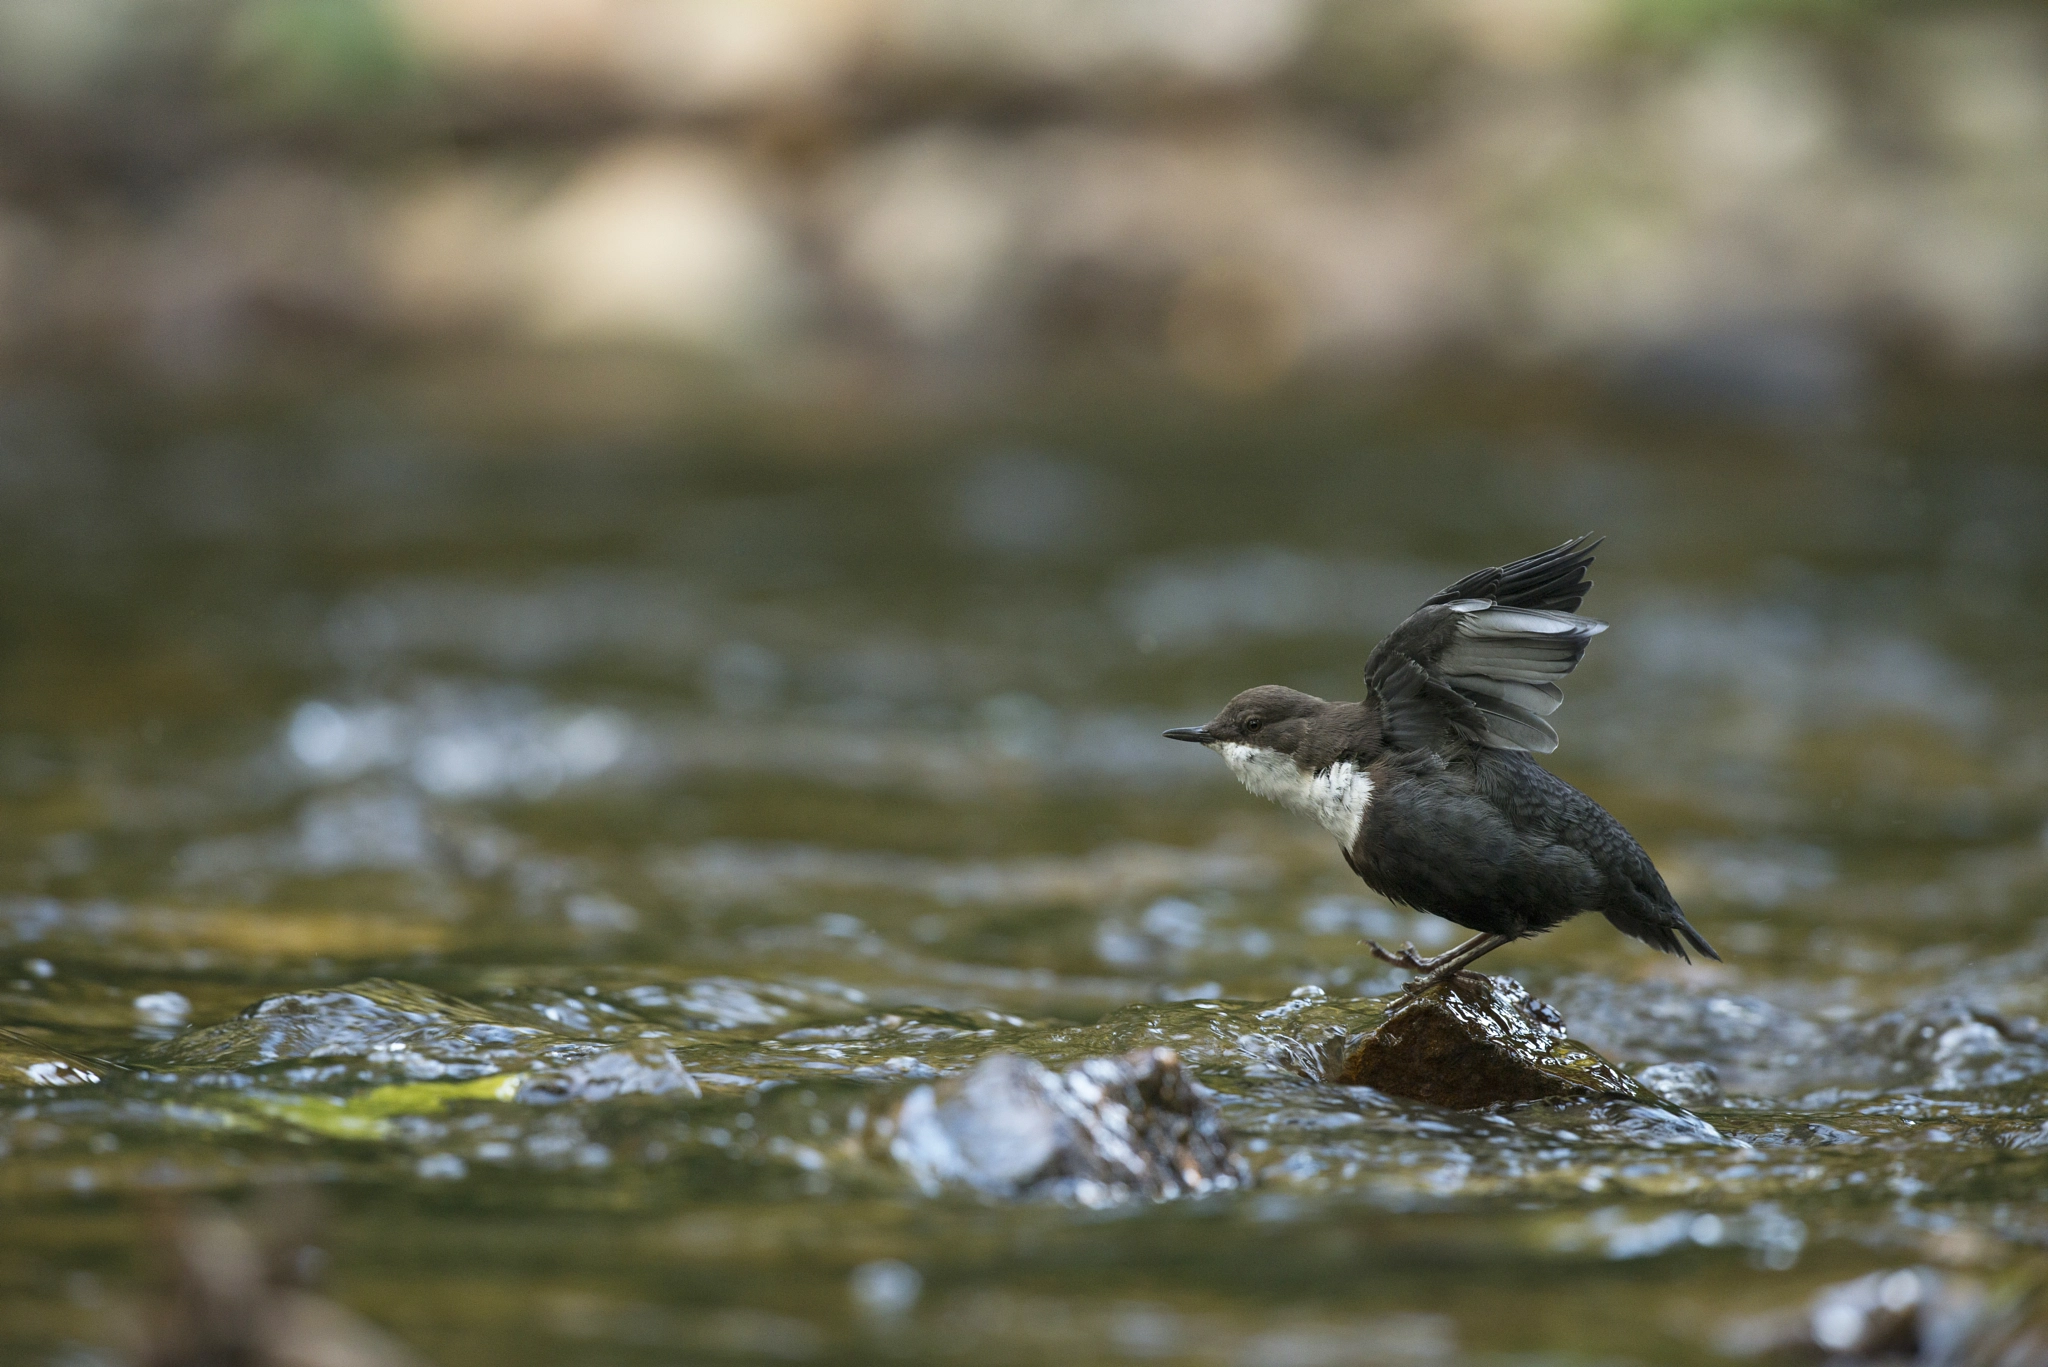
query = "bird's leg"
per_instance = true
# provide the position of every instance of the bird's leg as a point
(1407, 958)
(1453, 961)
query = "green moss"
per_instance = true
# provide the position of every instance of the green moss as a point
(369, 1115)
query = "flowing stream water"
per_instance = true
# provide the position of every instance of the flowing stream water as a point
(823, 753)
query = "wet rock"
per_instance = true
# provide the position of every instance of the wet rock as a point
(163, 1010)
(1875, 1316)
(641, 1070)
(1106, 1130)
(1683, 1084)
(235, 1293)
(1476, 1041)
(1911, 1315)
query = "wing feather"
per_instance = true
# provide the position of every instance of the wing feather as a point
(1554, 579)
(1541, 699)
(1482, 661)
(1509, 727)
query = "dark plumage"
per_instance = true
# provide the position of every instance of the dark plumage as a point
(1428, 783)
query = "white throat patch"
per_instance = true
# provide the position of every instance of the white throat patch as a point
(1337, 797)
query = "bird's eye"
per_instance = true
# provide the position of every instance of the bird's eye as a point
(1251, 724)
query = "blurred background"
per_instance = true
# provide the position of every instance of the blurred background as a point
(531, 524)
(1766, 196)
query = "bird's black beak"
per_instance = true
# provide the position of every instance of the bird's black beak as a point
(1193, 733)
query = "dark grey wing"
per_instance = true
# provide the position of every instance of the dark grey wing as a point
(1554, 580)
(1418, 712)
(1491, 665)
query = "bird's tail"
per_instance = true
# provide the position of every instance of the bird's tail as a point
(1670, 933)
(1697, 940)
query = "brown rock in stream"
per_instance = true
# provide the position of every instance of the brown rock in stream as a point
(1476, 1041)
(235, 1293)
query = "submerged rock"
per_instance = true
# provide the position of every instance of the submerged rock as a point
(1476, 1041)
(1911, 1315)
(1103, 1131)
(237, 1293)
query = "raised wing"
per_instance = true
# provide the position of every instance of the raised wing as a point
(1553, 580)
(1482, 660)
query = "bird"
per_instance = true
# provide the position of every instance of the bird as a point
(1429, 782)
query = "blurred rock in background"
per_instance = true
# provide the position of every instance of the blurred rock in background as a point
(1759, 201)
(237, 1293)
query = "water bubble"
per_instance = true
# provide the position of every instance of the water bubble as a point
(1899, 1292)
(885, 1288)
(592, 743)
(459, 764)
(597, 913)
(39, 968)
(1117, 945)
(1774, 1237)
(1353, 915)
(163, 1008)
(442, 1167)
(1176, 921)
(318, 735)
(364, 831)
(1838, 1326)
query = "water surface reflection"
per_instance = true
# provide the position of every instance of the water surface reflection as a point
(820, 774)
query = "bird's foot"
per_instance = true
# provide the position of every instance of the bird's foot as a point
(1407, 957)
(1439, 968)
(1422, 982)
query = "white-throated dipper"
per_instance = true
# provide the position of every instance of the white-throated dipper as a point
(1428, 784)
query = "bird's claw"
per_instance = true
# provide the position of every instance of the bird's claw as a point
(1406, 957)
(1428, 971)
(1422, 982)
